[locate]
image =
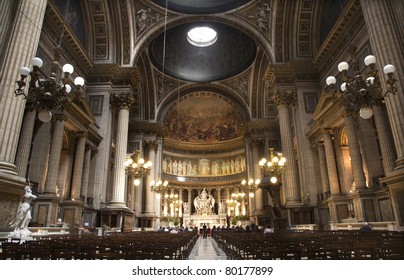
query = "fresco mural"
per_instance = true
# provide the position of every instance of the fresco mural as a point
(203, 119)
(196, 167)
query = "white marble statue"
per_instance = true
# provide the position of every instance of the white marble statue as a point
(222, 209)
(20, 223)
(186, 209)
(204, 203)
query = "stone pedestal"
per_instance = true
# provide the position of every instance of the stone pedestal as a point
(46, 208)
(395, 186)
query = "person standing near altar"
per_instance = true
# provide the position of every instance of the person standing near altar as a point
(205, 234)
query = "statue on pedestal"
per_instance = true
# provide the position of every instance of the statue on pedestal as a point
(204, 203)
(20, 223)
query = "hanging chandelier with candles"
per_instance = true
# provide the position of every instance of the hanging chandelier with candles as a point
(136, 167)
(360, 91)
(273, 167)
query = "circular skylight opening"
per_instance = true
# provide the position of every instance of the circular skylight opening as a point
(202, 36)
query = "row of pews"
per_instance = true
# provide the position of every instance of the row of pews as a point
(127, 246)
(311, 245)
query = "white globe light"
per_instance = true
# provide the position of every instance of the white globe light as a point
(44, 116)
(68, 88)
(370, 59)
(251, 194)
(343, 66)
(158, 196)
(136, 182)
(366, 113)
(36, 61)
(68, 68)
(331, 80)
(79, 81)
(370, 80)
(24, 71)
(274, 180)
(343, 87)
(389, 68)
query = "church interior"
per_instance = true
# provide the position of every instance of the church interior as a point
(125, 121)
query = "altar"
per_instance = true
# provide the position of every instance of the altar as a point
(217, 220)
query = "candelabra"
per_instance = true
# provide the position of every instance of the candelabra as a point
(360, 91)
(273, 167)
(251, 186)
(45, 93)
(159, 187)
(137, 168)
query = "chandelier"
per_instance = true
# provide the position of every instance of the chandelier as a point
(360, 91)
(235, 200)
(47, 93)
(159, 187)
(137, 168)
(251, 186)
(274, 166)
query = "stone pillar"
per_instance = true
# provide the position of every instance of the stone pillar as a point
(331, 164)
(386, 142)
(122, 103)
(78, 167)
(381, 18)
(190, 200)
(86, 175)
(255, 145)
(227, 198)
(180, 205)
(354, 152)
(54, 156)
(218, 199)
(323, 170)
(150, 197)
(24, 144)
(21, 48)
(284, 99)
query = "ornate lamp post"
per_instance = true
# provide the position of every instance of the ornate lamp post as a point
(361, 91)
(159, 187)
(46, 93)
(251, 186)
(137, 168)
(273, 167)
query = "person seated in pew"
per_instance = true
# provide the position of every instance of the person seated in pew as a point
(268, 230)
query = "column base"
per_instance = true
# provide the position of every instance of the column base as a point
(11, 192)
(395, 187)
(71, 213)
(46, 210)
(8, 167)
(339, 209)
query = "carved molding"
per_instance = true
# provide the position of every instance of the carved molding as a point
(285, 97)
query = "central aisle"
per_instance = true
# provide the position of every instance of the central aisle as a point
(207, 249)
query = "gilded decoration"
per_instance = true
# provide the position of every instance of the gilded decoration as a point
(203, 119)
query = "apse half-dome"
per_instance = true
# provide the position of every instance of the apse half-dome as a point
(203, 119)
(232, 52)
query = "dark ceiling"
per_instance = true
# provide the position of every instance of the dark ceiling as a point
(201, 6)
(233, 53)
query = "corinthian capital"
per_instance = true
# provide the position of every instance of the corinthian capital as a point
(285, 97)
(121, 100)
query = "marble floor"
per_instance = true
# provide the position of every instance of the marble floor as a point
(207, 249)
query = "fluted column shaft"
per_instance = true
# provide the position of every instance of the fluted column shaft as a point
(354, 152)
(331, 164)
(190, 200)
(78, 167)
(150, 196)
(122, 103)
(283, 100)
(22, 47)
(386, 143)
(323, 169)
(86, 174)
(386, 39)
(54, 156)
(24, 144)
(180, 206)
(255, 144)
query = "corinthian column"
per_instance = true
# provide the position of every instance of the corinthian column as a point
(150, 196)
(54, 156)
(284, 99)
(24, 145)
(323, 169)
(122, 103)
(255, 144)
(386, 143)
(78, 166)
(21, 48)
(354, 152)
(382, 18)
(331, 164)
(86, 175)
